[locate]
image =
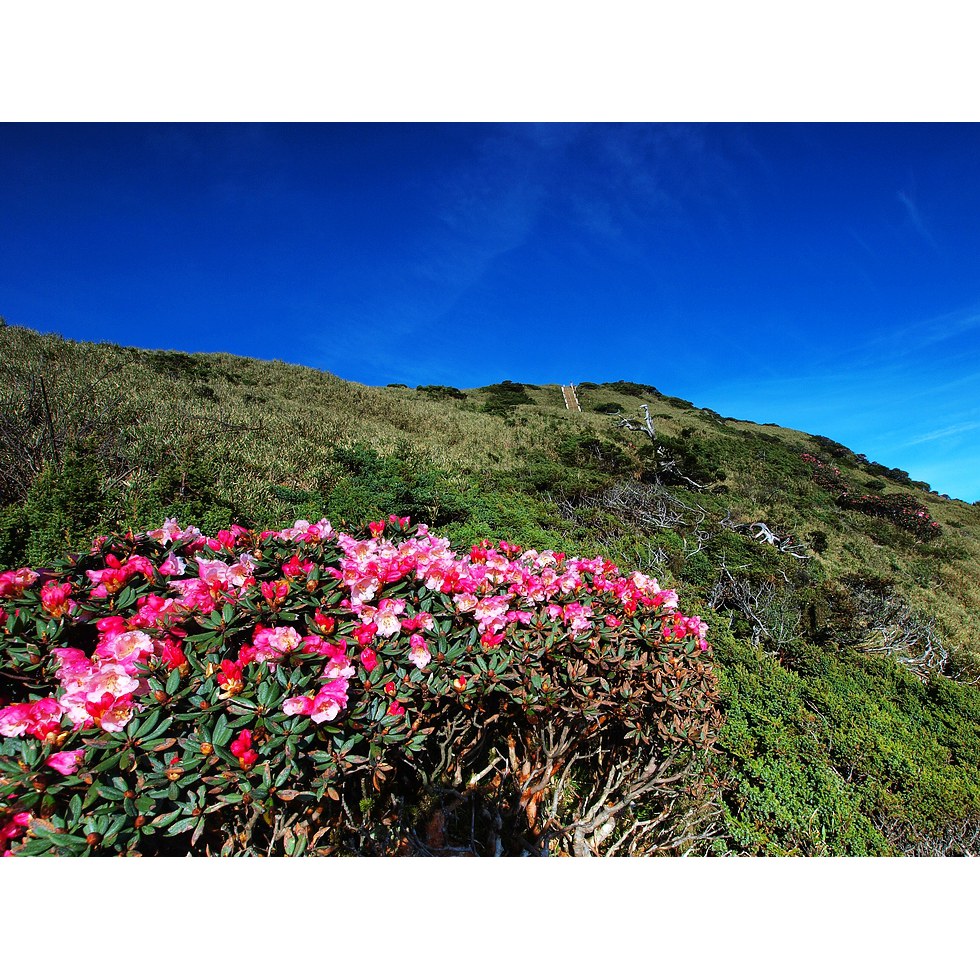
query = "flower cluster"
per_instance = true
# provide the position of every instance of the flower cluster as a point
(255, 647)
(901, 509)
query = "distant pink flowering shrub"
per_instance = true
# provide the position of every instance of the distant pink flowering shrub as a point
(306, 690)
(901, 509)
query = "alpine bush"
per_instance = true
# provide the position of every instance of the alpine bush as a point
(307, 691)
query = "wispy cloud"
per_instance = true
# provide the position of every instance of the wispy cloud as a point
(950, 430)
(915, 217)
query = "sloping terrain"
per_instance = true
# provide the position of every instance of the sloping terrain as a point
(842, 597)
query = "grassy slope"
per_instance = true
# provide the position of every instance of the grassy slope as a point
(827, 748)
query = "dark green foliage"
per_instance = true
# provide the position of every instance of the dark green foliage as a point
(370, 486)
(64, 507)
(845, 755)
(631, 388)
(186, 487)
(590, 453)
(14, 533)
(817, 541)
(698, 460)
(608, 408)
(440, 391)
(832, 448)
(505, 397)
(177, 365)
(894, 474)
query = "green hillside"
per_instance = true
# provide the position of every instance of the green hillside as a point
(842, 598)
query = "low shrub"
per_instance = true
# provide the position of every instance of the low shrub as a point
(505, 397)
(630, 388)
(309, 691)
(441, 392)
(900, 509)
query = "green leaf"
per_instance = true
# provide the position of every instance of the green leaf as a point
(149, 720)
(182, 826)
(222, 731)
(173, 682)
(34, 848)
(165, 819)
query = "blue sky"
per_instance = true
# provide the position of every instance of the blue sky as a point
(825, 277)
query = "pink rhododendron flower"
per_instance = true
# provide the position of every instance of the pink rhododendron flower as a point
(229, 679)
(326, 623)
(170, 652)
(294, 568)
(395, 709)
(369, 659)
(171, 532)
(386, 617)
(272, 643)
(173, 565)
(110, 713)
(298, 706)
(13, 583)
(66, 763)
(14, 720)
(465, 602)
(156, 612)
(13, 828)
(241, 749)
(38, 718)
(325, 705)
(419, 654)
(275, 592)
(330, 700)
(365, 634)
(55, 600)
(490, 640)
(126, 649)
(116, 574)
(577, 617)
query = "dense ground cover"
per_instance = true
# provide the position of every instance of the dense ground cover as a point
(843, 608)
